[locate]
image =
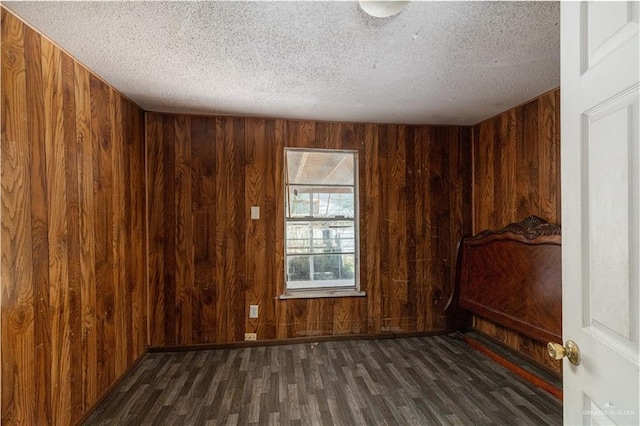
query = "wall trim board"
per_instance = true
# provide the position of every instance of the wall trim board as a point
(291, 341)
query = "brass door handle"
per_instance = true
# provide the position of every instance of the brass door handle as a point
(570, 350)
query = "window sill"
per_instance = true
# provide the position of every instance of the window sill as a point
(316, 294)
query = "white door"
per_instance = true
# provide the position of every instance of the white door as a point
(600, 213)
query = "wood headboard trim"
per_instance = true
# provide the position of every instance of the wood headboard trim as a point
(530, 303)
(530, 228)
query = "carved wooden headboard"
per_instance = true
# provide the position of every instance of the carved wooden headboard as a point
(513, 277)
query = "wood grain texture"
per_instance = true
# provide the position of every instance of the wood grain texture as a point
(58, 230)
(516, 172)
(155, 216)
(39, 226)
(517, 165)
(19, 378)
(72, 248)
(89, 345)
(184, 231)
(515, 280)
(414, 192)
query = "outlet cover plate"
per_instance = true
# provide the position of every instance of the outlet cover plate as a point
(253, 311)
(255, 212)
(250, 336)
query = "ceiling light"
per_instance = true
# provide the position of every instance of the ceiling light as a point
(382, 9)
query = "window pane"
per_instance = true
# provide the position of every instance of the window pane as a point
(320, 167)
(321, 271)
(316, 201)
(320, 237)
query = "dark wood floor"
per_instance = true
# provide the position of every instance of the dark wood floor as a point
(408, 381)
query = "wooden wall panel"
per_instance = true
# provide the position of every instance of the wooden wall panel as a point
(414, 206)
(87, 243)
(39, 223)
(203, 196)
(18, 314)
(72, 248)
(516, 166)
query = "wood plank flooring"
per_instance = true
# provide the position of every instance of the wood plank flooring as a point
(406, 381)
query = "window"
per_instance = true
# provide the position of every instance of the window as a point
(321, 223)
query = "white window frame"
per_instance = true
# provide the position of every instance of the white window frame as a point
(333, 291)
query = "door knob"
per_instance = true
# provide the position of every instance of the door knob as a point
(570, 350)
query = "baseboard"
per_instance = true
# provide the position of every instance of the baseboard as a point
(291, 341)
(537, 380)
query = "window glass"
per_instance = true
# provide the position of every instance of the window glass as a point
(320, 167)
(321, 240)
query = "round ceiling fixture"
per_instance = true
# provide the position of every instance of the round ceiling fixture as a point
(382, 9)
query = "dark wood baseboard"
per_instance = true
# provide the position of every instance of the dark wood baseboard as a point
(115, 384)
(513, 367)
(291, 341)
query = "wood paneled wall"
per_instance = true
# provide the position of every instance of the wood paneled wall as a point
(73, 255)
(516, 166)
(208, 261)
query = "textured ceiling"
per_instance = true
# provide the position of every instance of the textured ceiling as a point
(435, 62)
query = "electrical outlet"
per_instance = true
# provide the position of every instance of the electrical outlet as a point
(253, 311)
(250, 336)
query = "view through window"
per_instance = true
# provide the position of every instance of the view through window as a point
(321, 242)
